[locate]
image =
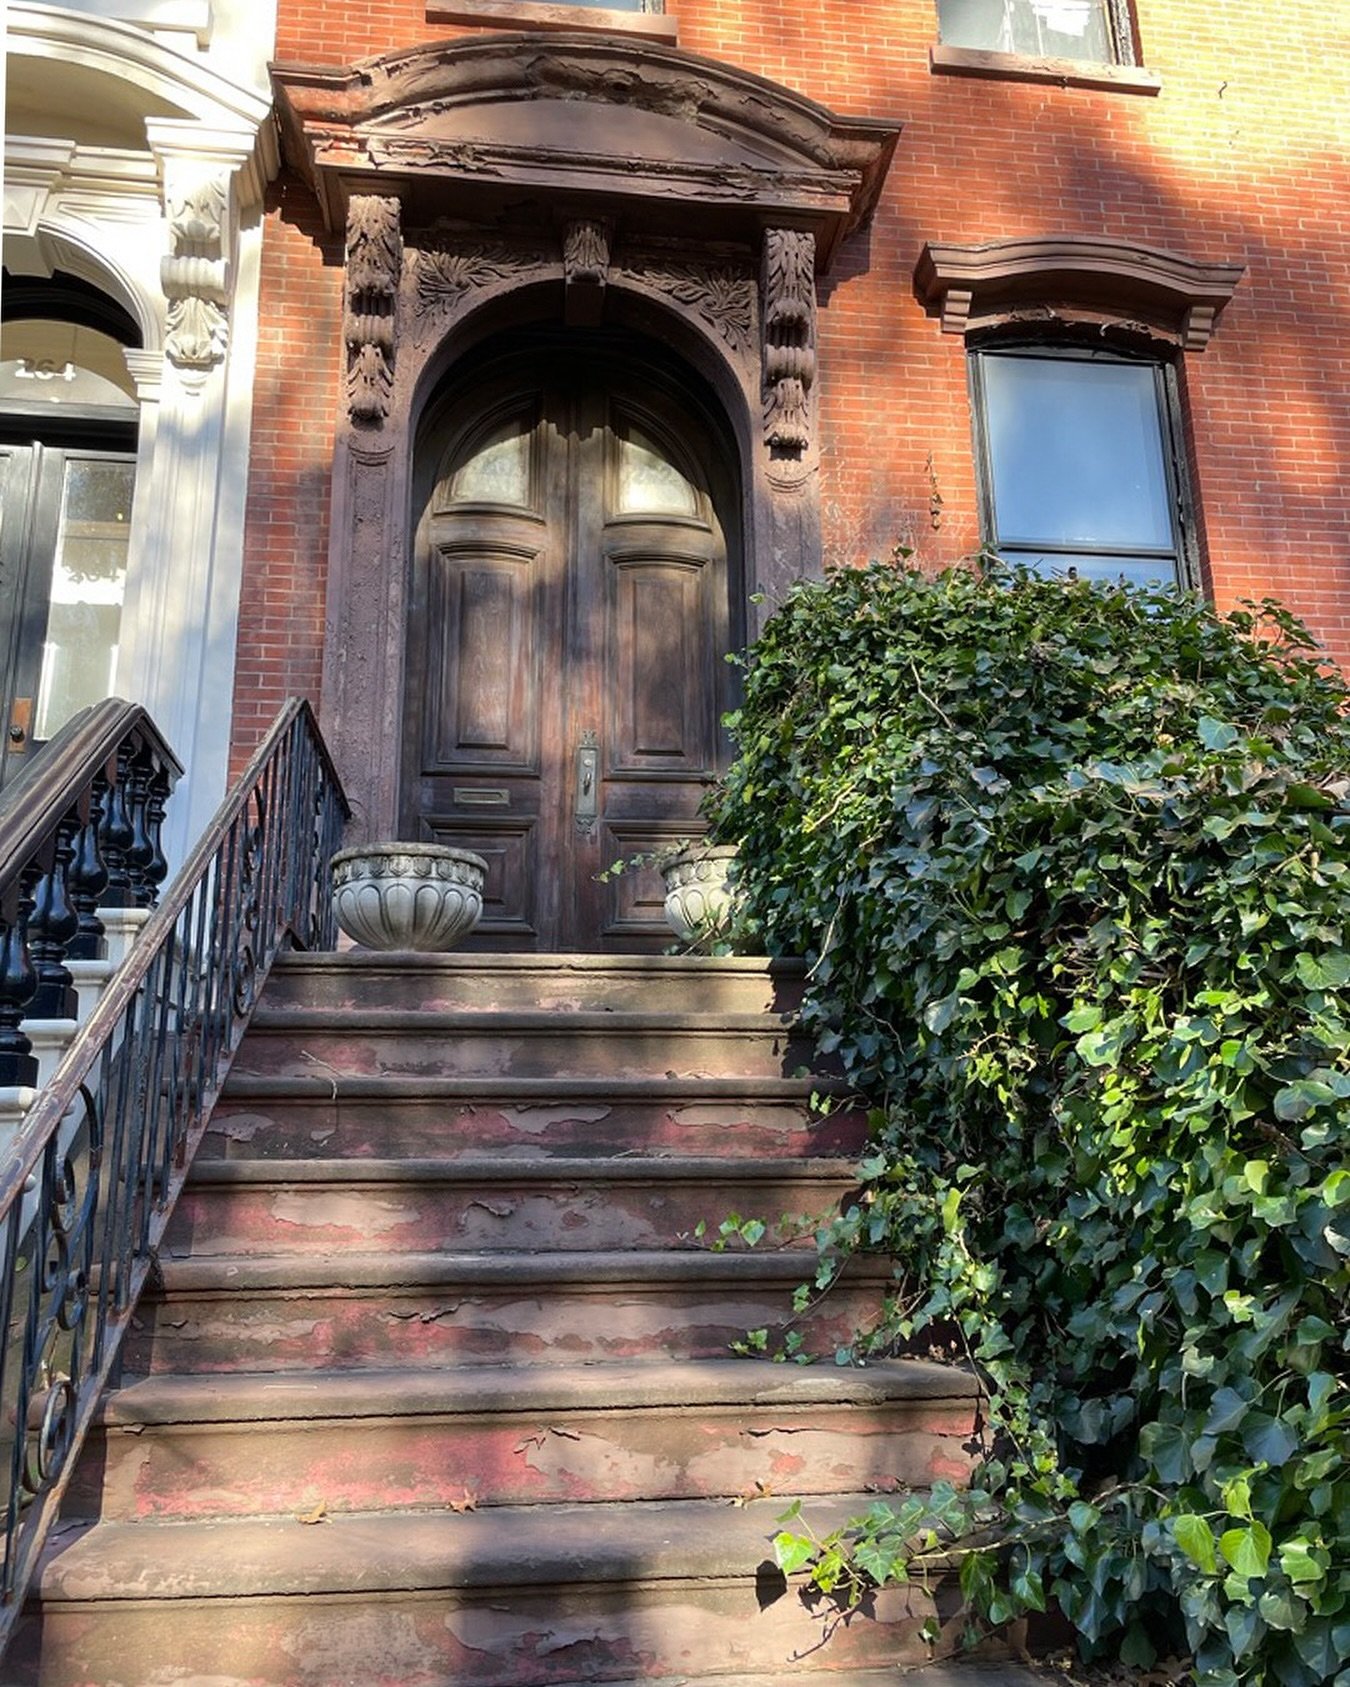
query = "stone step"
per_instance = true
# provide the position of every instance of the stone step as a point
(375, 1311)
(553, 983)
(299, 1041)
(509, 1597)
(181, 1447)
(987, 1667)
(318, 1114)
(483, 1202)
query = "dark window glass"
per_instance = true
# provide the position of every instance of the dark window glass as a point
(1079, 468)
(1061, 29)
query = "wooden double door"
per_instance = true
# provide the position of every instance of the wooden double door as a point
(574, 597)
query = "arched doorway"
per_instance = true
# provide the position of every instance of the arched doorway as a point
(576, 587)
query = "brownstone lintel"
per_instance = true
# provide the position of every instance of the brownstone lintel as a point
(973, 287)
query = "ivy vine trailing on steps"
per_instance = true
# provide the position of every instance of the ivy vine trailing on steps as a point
(1072, 867)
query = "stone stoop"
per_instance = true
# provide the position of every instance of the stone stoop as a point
(435, 1388)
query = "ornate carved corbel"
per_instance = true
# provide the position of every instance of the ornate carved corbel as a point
(585, 272)
(789, 318)
(374, 267)
(195, 276)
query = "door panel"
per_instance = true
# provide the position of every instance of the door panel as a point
(484, 649)
(660, 648)
(570, 611)
(65, 522)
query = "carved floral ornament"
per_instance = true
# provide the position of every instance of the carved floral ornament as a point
(374, 269)
(789, 287)
(972, 286)
(194, 275)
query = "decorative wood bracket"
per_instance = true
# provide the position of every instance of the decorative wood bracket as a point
(374, 267)
(586, 245)
(974, 285)
(789, 319)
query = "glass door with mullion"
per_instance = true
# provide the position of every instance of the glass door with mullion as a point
(65, 520)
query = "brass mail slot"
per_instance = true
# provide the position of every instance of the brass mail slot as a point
(482, 797)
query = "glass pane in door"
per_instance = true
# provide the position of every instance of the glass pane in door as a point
(79, 650)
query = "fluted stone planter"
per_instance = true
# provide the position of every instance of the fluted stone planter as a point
(699, 897)
(423, 897)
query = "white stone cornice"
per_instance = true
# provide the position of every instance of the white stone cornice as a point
(167, 19)
(215, 106)
(38, 156)
(247, 155)
(125, 51)
(146, 369)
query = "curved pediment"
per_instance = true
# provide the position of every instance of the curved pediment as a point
(563, 126)
(611, 125)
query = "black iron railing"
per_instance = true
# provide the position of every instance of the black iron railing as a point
(88, 1184)
(79, 830)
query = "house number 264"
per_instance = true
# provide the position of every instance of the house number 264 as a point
(44, 369)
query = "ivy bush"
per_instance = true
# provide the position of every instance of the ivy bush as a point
(1071, 866)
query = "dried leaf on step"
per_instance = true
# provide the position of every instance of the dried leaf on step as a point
(465, 1501)
(318, 1515)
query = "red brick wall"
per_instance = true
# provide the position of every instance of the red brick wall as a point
(280, 650)
(1235, 160)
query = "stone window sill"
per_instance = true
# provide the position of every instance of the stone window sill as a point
(542, 14)
(1015, 67)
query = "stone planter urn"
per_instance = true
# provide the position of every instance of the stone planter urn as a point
(418, 896)
(699, 896)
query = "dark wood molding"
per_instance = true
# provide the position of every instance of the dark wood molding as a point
(975, 286)
(1018, 67)
(651, 137)
(541, 14)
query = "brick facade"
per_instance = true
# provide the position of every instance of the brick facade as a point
(1234, 160)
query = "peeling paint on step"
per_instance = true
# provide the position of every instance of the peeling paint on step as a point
(334, 1210)
(535, 1120)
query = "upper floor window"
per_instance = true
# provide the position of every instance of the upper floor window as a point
(1094, 30)
(1080, 472)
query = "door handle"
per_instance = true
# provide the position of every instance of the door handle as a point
(20, 721)
(586, 796)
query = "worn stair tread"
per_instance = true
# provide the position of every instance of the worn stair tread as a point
(687, 966)
(270, 1396)
(515, 1022)
(977, 1672)
(648, 1542)
(347, 1270)
(321, 1085)
(495, 1168)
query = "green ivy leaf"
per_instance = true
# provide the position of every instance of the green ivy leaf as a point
(792, 1552)
(1167, 1450)
(1247, 1550)
(1196, 1539)
(1269, 1438)
(1216, 734)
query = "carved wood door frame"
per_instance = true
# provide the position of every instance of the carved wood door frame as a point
(651, 190)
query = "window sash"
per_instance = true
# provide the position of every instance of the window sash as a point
(1094, 31)
(1141, 556)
